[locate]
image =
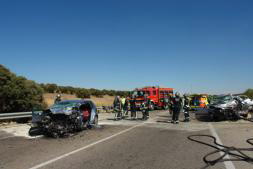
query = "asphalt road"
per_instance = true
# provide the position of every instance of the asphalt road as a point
(126, 144)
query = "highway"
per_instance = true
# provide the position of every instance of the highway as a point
(125, 144)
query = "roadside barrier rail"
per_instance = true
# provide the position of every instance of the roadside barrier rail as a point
(18, 115)
(9, 116)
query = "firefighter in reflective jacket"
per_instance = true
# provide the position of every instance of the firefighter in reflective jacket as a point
(186, 108)
(177, 105)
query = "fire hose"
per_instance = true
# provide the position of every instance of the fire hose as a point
(237, 154)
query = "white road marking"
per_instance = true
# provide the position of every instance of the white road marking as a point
(85, 147)
(228, 164)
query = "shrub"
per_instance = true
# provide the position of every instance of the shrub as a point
(249, 93)
(17, 94)
(83, 93)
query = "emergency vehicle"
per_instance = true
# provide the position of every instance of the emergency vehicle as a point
(159, 97)
(199, 101)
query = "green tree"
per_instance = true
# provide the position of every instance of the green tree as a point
(249, 93)
(17, 93)
(83, 93)
(51, 88)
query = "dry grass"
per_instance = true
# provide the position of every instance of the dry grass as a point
(104, 101)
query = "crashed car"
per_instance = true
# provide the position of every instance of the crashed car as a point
(247, 101)
(64, 118)
(227, 107)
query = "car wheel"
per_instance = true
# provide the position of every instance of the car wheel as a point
(35, 131)
(94, 124)
(95, 121)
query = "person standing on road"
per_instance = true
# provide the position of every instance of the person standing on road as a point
(125, 106)
(123, 100)
(177, 105)
(57, 99)
(117, 107)
(133, 107)
(170, 103)
(186, 108)
(145, 108)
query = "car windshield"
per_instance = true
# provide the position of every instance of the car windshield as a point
(222, 99)
(64, 104)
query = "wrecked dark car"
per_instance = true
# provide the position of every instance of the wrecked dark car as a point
(64, 118)
(227, 107)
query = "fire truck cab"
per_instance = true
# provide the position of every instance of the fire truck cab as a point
(159, 97)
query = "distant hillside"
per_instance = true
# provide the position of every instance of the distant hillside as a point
(81, 92)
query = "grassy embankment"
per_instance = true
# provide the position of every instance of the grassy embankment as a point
(104, 101)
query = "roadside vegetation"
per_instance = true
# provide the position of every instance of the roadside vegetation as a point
(249, 93)
(81, 92)
(18, 94)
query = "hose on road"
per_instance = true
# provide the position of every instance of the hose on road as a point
(235, 154)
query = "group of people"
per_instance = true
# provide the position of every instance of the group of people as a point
(122, 106)
(177, 103)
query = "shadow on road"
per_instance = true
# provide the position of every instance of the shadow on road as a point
(164, 116)
(129, 119)
(163, 121)
(202, 115)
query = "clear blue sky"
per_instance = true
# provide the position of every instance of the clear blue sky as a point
(201, 46)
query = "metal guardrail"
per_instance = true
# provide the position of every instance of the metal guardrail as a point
(9, 116)
(18, 115)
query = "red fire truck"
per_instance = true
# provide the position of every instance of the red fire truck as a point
(158, 96)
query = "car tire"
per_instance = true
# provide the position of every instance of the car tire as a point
(95, 123)
(35, 131)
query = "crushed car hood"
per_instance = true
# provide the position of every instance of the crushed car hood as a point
(223, 105)
(61, 110)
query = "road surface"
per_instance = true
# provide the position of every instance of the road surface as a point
(125, 144)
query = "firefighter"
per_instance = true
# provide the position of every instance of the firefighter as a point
(186, 108)
(117, 107)
(177, 105)
(170, 104)
(123, 101)
(145, 108)
(57, 99)
(125, 106)
(133, 108)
